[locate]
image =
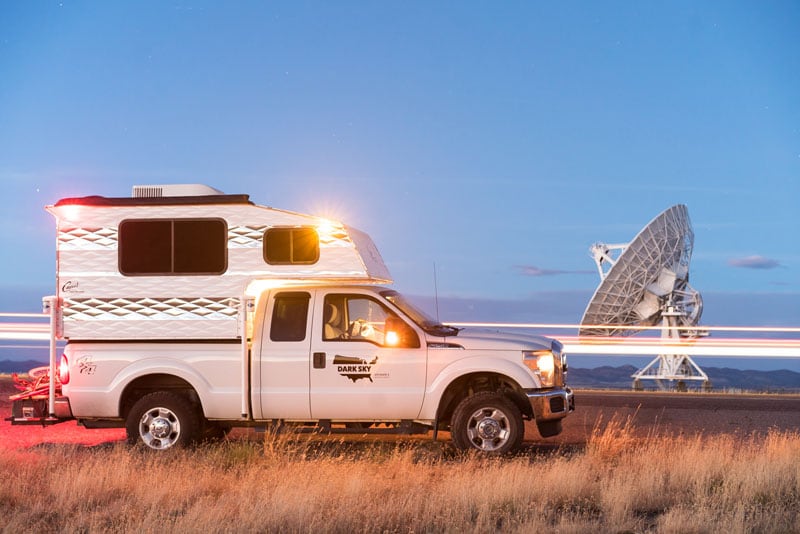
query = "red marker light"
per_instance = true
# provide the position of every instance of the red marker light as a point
(71, 213)
(63, 369)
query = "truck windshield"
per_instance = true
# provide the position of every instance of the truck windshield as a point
(422, 319)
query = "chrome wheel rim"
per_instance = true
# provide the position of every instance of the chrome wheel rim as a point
(488, 429)
(159, 428)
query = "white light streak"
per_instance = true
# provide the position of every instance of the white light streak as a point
(714, 346)
(736, 348)
(25, 331)
(788, 347)
(546, 326)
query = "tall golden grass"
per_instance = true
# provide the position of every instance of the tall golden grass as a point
(291, 483)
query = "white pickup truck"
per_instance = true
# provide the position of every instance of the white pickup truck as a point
(358, 355)
(188, 312)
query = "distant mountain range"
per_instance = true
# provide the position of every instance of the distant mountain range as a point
(607, 377)
(721, 378)
(13, 366)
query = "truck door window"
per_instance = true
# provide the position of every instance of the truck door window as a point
(360, 318)
(334, 324)
(289, 317)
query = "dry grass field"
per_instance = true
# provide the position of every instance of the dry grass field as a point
(617, 480)
(617, 483)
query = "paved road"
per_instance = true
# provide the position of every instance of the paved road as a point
(694, 401)
(648, 413)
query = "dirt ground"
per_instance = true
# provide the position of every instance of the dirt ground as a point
(645, 414)
(657, 413)
(30, 436)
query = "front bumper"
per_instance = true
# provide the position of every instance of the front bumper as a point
(551, 404)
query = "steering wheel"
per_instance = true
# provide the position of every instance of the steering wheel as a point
(361, 328)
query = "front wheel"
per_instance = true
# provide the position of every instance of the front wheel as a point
(162, 420)
(488, 422)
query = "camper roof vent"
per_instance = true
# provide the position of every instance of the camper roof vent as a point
(174, 190)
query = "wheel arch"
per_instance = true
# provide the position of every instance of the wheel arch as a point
(149, 383)
(471, 383)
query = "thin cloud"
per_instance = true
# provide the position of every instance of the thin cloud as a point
(532, 270)
(754, 262)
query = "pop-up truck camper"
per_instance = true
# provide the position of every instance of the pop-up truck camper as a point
(187, 312)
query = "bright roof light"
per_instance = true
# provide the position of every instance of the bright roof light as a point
(70, 213)
(327, 228)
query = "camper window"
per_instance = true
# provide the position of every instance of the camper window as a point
(286, 246)
(173, 247)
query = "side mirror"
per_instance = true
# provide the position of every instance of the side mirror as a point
(399, 334)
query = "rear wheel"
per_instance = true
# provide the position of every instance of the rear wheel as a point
(163, 420)
(488, 422)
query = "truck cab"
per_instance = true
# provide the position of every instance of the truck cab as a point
(365, 353)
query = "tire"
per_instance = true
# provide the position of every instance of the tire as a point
(163, 420)
(488, 422)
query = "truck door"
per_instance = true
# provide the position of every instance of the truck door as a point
(283, 364)
(367, 361)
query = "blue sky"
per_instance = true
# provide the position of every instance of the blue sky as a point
(498, 141)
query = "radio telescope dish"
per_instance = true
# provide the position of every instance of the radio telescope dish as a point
(645, 283)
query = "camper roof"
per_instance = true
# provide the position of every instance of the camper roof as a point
(161, 195)
(154, 201)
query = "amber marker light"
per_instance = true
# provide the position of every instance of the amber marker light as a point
(392, 338)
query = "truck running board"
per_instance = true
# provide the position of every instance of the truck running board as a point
(324, 426)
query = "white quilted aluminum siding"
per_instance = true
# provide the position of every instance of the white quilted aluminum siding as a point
(101, 303)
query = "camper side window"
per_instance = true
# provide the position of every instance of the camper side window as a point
(173, 247)
(287, 246)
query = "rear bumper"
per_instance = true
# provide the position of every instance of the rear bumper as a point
(33, 411)
(552, 404)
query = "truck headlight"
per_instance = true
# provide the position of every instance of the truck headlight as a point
(543, 364)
